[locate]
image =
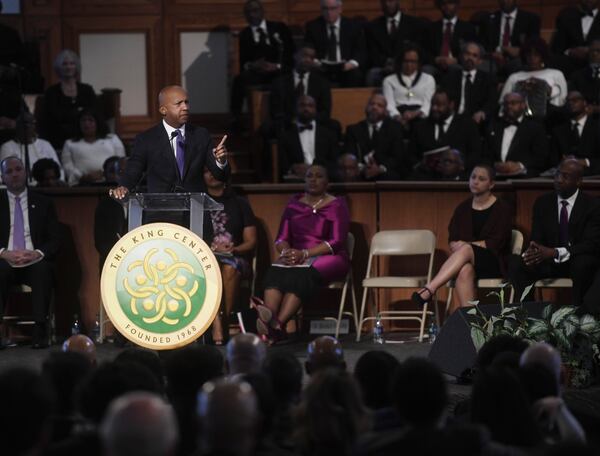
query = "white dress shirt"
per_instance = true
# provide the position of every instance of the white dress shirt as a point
(563, 253)
(580, 124)
(38, 149)
(305, 79)
(586, 23)
(511, 26)
(473, 73)
(395, 18)
(507, 139)
(256, 34)
(445, 127)
(419, 94)
(307, 141)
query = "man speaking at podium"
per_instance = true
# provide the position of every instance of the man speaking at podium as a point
(172, 154)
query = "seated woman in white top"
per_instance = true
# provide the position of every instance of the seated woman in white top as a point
(535, 54)
(408, 91)
(84, 155)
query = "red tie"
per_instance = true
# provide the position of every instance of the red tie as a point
(445, 52)
(506, 33)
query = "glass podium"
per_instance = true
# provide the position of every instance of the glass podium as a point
(194, 203)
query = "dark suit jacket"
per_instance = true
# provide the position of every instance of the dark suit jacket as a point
(462, 32)
(43, 223)
(351, 37)
(109, 224)
(290, 148)
(283, 102)
(568, 32)
(461, 134)
(496, 231)
(589, 144)
(483, 95)
(152, 154)
(529, 146)
(527, 25)
(382, 46)
(389, 147)
(584, 223)
(583, 81)
(274, 52)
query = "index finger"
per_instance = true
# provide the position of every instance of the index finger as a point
(222, 141)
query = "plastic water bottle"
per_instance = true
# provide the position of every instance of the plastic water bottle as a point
(432, 331)
(76, 327)
(96, 330)
(378, 331)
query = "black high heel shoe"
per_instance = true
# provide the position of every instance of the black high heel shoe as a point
(418, 299)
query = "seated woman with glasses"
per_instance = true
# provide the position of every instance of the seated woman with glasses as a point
(479, 235)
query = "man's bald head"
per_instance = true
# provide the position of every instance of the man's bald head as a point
(245, 354)
(81, 343)
(173, 105)
(543, 354)
(323, 352)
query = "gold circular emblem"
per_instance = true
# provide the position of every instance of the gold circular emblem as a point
(161, 286)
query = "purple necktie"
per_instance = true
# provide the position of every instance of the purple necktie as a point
(180, 151)
(18, 226)
(563, 235)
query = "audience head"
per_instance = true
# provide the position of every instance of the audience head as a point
(451, 164)
(442, 106)
(448, 8)
(214, 186)
(576, 104)
(285, 372)
(80, 343)
(496, 345)
(254, 12)
(348, 168)
(544, 354)
(409, 60)
(190, 367)
(226, 409)
(65, 371)
(265, 400)
(13, 174)
(173, 105)
(374, 371)
(471, 56)
(25, 132)
(306, 109)
(91, 126)
(113, 168)
(331, 414)
(316, 180)
(67, 65)
(324, 352)
(46, 173)
(507, 6)
(376, 109)
(139, 423)
(390, 7)
(27, 405)
(513, 106)
(304, 58)
(146, 358)
(594, 52)
(331, 10)
(419, 392)
(245, 354)
(568, 177)
(535, 53)
(109, 381)
(482, 180)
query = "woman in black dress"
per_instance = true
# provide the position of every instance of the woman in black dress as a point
(479, 235)
(233, 240)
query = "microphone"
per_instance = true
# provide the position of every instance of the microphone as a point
(173, 134)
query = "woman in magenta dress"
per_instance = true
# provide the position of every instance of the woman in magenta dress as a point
(312, 253)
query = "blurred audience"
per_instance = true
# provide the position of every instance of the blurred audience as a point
(587, 79)
(47, 173)
(324, 352)
(245, 354)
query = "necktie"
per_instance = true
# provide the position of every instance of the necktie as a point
(575, 138)
(302, 127)
(563, 234)
(468, 92)
(393, 27)
(445, 51)
(332, 45)
(506, 32)
(262, 37)
(374, 136)
(180, 152)
(299, 90)
(440, 131)
(18, 226)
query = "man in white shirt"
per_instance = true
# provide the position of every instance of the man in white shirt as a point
(29, 239)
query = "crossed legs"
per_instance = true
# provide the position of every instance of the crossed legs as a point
(283, 306)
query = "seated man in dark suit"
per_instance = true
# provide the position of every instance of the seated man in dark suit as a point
(565, 236)
(446, 36)
(517, 145)
(377, 143)
(265, 48)
(503, 32)
(29, 239)
(587, 79)
(385, 37)
(450, 167)
(340, 45)
(579, 137)
(473, 89)
(576, 27)
(445, 128)
(306, 142)
(348, 169)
